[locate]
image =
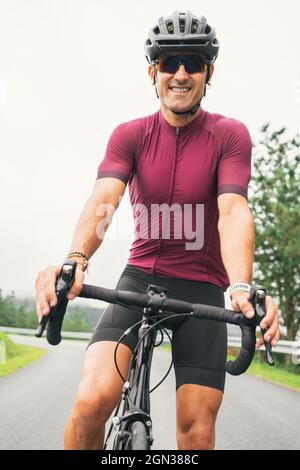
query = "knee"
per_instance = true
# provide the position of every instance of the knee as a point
(196, 438)
(93, 404)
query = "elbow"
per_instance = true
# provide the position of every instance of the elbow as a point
(236, 218)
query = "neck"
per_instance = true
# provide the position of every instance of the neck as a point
(178, 120)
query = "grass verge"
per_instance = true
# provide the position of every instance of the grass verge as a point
(17, 355)
(276, 374)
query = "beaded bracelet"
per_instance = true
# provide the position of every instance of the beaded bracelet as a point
(78, 254)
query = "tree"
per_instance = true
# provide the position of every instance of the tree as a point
(20, 316)
(275, 205)
(76, 321)
(12, 315)
(8, 312)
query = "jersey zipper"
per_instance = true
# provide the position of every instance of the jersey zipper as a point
(171, 190)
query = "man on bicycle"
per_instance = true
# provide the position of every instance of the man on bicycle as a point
(182, 164)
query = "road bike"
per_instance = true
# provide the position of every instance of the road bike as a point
(131, 427)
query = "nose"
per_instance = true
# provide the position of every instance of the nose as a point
(181, 73)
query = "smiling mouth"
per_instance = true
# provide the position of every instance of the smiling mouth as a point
(180, 90)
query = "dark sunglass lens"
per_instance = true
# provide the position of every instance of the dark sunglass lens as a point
(169, 64)
(194, 64)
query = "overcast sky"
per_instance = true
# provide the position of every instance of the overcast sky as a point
(70, 71)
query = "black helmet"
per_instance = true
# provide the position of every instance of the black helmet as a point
(182, 32)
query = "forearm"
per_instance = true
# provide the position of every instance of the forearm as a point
(85, 238)
(236, 232)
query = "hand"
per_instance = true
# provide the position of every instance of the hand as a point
(45, 288)
(270, 322)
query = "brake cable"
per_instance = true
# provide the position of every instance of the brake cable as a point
(141, 339)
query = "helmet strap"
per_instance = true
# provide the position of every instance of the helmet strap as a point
(155, 81)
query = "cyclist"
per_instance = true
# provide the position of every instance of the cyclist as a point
(184, 159)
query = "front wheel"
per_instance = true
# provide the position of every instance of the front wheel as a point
(139, 436)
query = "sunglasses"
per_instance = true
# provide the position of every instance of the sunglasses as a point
(192, 63)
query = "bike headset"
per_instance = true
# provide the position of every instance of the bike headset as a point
(182, 32)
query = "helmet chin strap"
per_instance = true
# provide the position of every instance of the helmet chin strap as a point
(192, 110)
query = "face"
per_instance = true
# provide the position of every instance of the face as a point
(180, 91)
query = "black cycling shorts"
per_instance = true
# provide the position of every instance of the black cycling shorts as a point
(199, 347)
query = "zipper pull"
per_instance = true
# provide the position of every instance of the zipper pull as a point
(177, 130)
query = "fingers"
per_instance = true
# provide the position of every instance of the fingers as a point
(50, 277)
(45, 290)
(274, 340)
(270, 323)
(77, 285)
(241, 302)
(271, 313)
(38, 310)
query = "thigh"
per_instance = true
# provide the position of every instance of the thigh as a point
(112, 324)
(199, 347)
(99, 365)
(100, 387)
(199, 351)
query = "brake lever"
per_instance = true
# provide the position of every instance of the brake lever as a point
(63, 285)
(258, 299)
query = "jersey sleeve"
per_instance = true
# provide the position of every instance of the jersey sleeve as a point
(118, 161)
(234, 170)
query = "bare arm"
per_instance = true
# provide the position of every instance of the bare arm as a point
(97, 215)
(236, 230)
(88, 236)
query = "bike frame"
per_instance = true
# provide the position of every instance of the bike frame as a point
(136, 390)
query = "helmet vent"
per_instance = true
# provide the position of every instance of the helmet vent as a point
(207, 29)
(180, 42)
(182, 25)
(195, 24)
(170, 27)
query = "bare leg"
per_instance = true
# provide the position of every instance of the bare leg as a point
(197, 409)
(99, 392)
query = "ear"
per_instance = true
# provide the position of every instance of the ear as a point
(151, 73)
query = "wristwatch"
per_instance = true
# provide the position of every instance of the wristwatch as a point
(239, 286)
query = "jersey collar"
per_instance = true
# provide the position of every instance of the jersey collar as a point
(196, 123)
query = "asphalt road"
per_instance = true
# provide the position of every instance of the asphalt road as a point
(36, 400)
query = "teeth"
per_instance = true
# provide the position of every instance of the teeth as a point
(180, 90)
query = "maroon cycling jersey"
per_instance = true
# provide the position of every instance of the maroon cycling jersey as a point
(175, 175)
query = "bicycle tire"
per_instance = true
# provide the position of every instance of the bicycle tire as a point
(139, 436)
